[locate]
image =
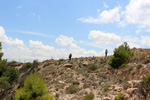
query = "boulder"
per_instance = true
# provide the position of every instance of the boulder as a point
(68, 65)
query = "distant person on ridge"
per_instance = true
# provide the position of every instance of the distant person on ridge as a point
(70, 55)
(106, 51)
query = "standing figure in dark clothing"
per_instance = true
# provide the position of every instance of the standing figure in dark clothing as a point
(106, 51)
(70, 55)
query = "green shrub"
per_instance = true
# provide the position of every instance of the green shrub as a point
(146, 81)
(3, 63)
(14, 63)
(3, 66)
(34, 89)
(124, 65)
(121, 55)
(4, 84)
(92, 67)
(1, 54)
(72, 89)
(106, 88)
(120, 96)
(12, 73)
(26, 67)
(139, 66)
(35, 63)
(88, 97)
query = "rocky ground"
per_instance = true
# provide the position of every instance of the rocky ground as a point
(101, 80)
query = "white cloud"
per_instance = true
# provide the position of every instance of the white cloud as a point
(16, 50)
(66, 41)
(131, 39)
(146, 40)
(105, 17)
(98, 10)
(122, 23)
(104, 38)
(142, 26)
(19, 7)
(132, 45)
(138, 31)
(106, 6)
(148, 30)
(32, 33)
(138, 12)
(9, 40)
(39, 45)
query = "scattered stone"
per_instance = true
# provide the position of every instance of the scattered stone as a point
(85, 63)
(75, 83)
(118, 89)
(61, 82)
(106, 98)
(130, 91)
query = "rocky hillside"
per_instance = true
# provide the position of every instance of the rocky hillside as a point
(72, 80)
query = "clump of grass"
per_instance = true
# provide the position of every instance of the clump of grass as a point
(107, 88)
(88, 97)
(124, 65)
(146, 81)
(139, 66)
(72, 89)
(120, 96)
(126, 77)
(92, 67)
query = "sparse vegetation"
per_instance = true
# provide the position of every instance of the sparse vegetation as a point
(96, 77)
(72, 89)
(146, 81)
(124, 65)
(106, 88)
(139, 66)
(88, 97)
(25, 67)
(14, 63)
(121, 55)
(120, 96)
(92, 67)
(34, 89)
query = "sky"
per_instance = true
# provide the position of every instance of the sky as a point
(46, 29)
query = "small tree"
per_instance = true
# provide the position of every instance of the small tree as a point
(34, 89)
(121, 55)
(4, 84)
(3, 64)
(12, 74)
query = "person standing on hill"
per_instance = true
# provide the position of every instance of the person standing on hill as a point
(70, 56)
(106, 51)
